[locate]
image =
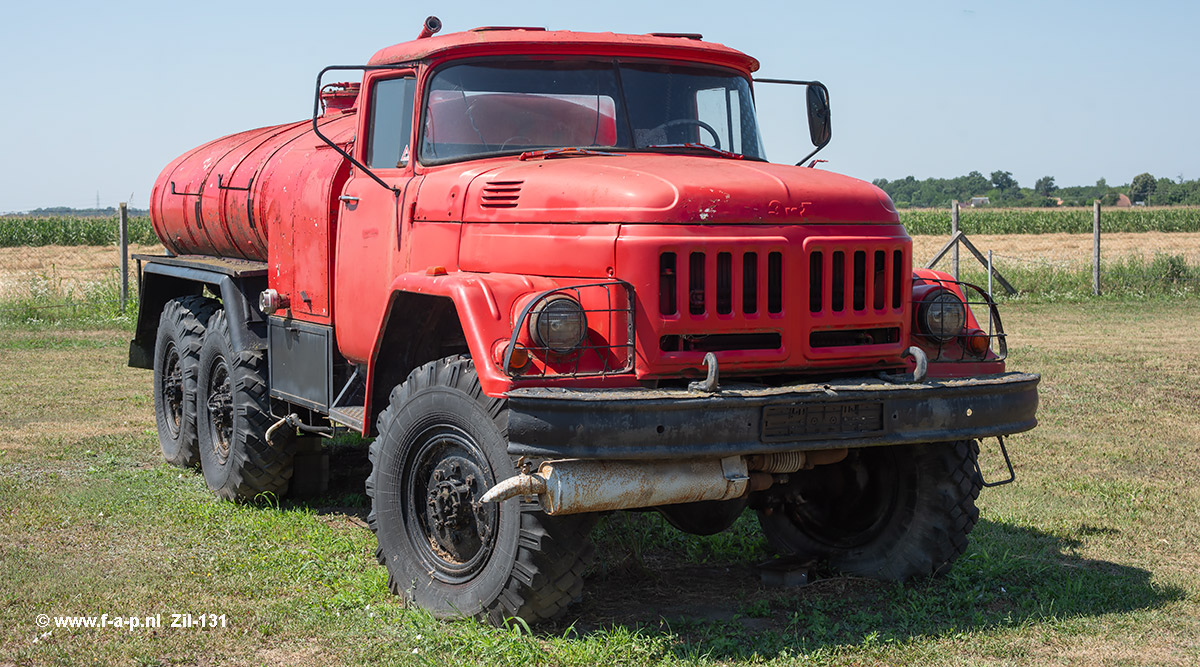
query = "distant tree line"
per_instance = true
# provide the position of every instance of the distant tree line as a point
(1003, 190)
(67, 211)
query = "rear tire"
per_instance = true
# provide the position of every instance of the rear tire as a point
(234, 414)
(176, 365)
(442, 444)
(892, 513)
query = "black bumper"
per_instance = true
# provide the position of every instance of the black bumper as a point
(662, 424)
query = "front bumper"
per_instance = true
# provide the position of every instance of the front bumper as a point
(739, 420)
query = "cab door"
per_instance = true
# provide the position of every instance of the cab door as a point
(372, 216)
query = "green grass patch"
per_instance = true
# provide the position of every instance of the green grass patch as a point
(1088, 558)
(46, 300)
(1132, 276)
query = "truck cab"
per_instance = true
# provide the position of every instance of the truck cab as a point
(553, 274)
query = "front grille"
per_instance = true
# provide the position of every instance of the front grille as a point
(691, 291)
(870, 277)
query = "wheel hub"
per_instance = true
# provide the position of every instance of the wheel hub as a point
(457, 529)
(220, 410)
(172, 390)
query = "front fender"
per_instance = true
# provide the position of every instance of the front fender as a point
(484, 306)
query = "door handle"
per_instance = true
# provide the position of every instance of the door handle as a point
(348, 199)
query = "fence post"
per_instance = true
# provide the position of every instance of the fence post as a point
(124, 242)
(953, 231)
(990, 274)
(1096, 248)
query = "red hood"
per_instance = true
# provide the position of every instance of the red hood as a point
(636, 188)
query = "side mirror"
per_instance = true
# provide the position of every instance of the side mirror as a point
(818, 114)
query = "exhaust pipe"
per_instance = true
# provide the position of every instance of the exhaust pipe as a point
(432, 25)
(574, 486)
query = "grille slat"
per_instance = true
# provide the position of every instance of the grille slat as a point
(750, 283)
(870, 279)
(722, 282)
(837, 298)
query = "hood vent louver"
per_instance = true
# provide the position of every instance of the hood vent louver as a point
(500, 194)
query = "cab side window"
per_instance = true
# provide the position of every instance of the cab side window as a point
(391, 123)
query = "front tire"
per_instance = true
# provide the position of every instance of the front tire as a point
(893, 513)
(442, 444)
(234, 413)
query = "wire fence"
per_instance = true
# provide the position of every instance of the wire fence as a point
(59, 268)
(63, 268)
(1133, 263)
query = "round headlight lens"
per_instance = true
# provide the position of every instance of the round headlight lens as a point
(558, 324)
(943, 316)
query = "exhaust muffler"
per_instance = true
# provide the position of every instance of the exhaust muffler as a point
(573, 486)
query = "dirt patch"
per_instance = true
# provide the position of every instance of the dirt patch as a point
(1066, 248)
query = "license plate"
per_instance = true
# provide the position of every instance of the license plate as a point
(820, 420)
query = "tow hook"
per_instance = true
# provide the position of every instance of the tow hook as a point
(709, 385)
(918, 373)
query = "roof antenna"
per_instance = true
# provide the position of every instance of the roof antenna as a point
(432, 25)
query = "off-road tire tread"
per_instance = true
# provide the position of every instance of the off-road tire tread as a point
(258, 468)
(186, 318)
(924, 544)
(553, 553)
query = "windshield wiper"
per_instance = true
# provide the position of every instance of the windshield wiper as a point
(705, 147)
(563, 152)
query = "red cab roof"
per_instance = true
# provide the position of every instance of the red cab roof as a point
(535, 41)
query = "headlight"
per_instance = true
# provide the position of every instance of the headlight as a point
(942, 317)
(558, 324)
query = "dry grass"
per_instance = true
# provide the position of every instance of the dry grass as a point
(71, 268)
(1073, 248)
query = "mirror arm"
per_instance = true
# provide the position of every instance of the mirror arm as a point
(814, 152)
(317, 115)
(795, 82)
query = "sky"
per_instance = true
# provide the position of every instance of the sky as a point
(100, 97)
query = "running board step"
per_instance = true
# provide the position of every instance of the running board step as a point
(349, 415)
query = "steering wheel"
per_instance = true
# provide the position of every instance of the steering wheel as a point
(691, 121)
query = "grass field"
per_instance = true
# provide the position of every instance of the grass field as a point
(1090, 558)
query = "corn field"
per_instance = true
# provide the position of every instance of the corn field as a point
(1051, 220)
(20, 230)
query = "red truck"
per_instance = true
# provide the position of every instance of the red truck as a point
(552, 274)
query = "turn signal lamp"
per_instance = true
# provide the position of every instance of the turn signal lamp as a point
(516, 362)
(976, 342)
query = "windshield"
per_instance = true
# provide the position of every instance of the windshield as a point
(477, 109)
